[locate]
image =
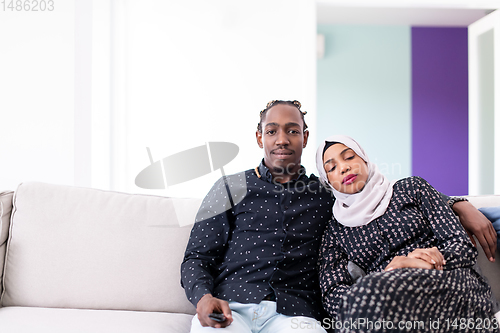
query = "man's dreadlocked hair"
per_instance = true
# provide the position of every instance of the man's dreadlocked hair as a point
(276, 102)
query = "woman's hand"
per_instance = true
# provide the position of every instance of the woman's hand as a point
(402, 262)
(431, 255)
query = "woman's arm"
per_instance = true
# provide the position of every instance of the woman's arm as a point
(334, 278)
(452, 240)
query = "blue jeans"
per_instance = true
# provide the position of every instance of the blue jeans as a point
(261, 318)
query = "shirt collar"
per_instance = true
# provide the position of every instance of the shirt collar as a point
(267, 176)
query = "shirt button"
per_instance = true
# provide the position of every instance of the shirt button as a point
(286, 207)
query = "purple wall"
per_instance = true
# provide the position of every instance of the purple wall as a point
(440, 108)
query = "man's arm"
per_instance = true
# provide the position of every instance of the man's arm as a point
(204, 251)
(475, 223)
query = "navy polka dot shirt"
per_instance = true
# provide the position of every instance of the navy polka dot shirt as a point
(268, 242)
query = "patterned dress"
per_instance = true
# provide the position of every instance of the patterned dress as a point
(405, 299)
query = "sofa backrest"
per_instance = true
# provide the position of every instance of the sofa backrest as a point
(72, 247)
(5, 210)
(484, 200)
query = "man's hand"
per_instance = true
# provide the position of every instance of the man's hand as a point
(430, 255)
(475, 223)
(402, 262)
(209, 304)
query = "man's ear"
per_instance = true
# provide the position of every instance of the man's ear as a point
(258, 136)
(306, 136)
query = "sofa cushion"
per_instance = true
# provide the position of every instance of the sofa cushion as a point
(83, 248)
(5, 210)
(44, 320)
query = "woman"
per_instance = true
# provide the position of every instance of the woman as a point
(417, 255)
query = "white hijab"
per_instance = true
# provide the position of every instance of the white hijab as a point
(354, 210)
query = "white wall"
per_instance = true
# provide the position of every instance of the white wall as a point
(87, 87)
(37, 95)
(484, 105)
(186, 73)
(364, 91)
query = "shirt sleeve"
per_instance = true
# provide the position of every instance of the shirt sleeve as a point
(445, 197)
(452, 240)
(206, 245)
(334, 278)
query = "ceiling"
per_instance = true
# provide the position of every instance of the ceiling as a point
(454, 13)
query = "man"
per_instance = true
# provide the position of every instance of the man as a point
(254, 262)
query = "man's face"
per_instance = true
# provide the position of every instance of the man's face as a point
(283, 139)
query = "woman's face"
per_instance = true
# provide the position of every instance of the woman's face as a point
(346, 171)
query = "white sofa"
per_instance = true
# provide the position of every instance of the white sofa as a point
(84, 260)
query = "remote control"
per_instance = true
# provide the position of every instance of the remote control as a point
(218, 317)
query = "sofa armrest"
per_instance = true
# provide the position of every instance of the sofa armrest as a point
(5, 210)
